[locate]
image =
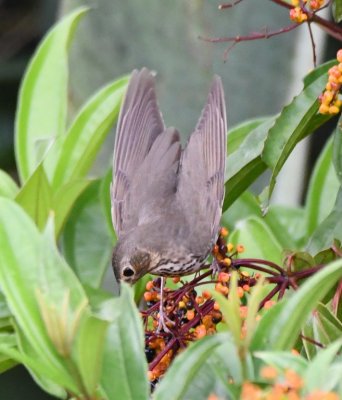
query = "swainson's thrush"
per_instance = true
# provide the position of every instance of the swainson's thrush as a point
(166, 202)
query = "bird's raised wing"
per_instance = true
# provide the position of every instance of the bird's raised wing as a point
(139, 123)
(201, 177)
(146, 156)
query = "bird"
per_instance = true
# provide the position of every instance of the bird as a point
(166, 200)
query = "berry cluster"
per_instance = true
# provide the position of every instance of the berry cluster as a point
(190, 313)
(189, 310)
(282, 386)
(329, 99)
(299, 12)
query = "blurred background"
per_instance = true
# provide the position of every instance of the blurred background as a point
(260, 77)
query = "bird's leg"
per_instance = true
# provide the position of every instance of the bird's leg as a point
(215, 267)
(162, 317)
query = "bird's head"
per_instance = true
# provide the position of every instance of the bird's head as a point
(130, 263)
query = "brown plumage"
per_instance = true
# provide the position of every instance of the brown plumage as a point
(166, 202)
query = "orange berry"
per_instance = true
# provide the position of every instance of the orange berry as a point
(181, 304)
(328, 86)
(293, 380)
(295, 352)
(332, 78)
(339, 56)
(240, 248)
(223, 277)
(269, 304)
(250, 391)
(213, 396)
(199, 300)
(148, 296)
(327, 97)
(240, 292)
(243, 311)
(176, 279)
(295, 3)
(230, 247)
(215, 249)
(207, 321)
(224, 232)
(334, 71)
(200, 331)
(216, 306)
(320, 395)
(151, 376)
(190, 315)
(334, 110)
(268, 372)
(323, 109)
(246, 288)
(149, 285)
(221, 289)
(227, 262)
(206, 294)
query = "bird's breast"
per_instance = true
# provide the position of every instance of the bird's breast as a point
(178, 265)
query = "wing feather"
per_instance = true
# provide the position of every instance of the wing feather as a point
(139, 124)
(202, 166)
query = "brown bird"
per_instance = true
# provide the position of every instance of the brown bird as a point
(166, 202)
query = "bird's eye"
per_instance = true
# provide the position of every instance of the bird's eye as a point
(128, 272)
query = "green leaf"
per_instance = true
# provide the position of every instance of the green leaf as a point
(337, 10)
(230, 309)
(283, 360)
(254, 301)
(38, 369)
(258, 240)
(124, 374)
(245, 164)
(7, 340)
(88, 132)
(35, 197)
(41, 115)
(33, 263)
(322, 190)
(106, 201)
(297, 120)
(8, 188)
(337, 150)
(90, 345)
(287, 225)
(64, 199)
(216, 374)
(325, 256)
(45, 379)
(87, 242)
(318, 374)
(301, 260)
(238, 133)
(323, 327)
(279, 327)
(329, 230)
(184, 369)
(329, 323)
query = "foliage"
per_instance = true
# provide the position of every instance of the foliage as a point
(56, 239)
